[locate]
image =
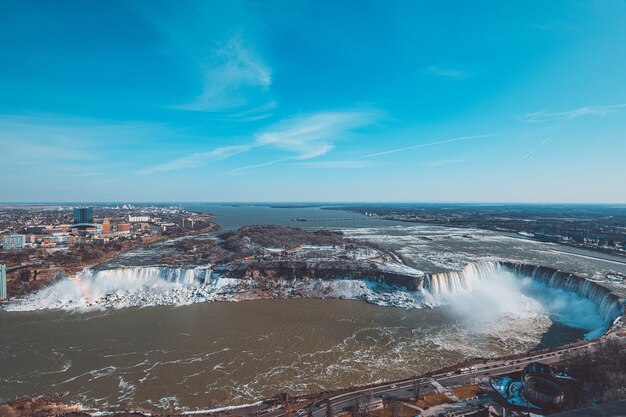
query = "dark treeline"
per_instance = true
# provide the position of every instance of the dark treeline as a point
(273, 236)
(253, 241)
(602, 373)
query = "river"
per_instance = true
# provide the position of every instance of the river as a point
(171, 358)
(228, 353)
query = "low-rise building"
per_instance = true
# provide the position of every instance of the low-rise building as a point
(35, 230)
(14, 241)
(138, 219)
(168, 226)
(59, 238)
(541, 387)
(123, 228)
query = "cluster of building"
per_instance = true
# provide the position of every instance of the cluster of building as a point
(49, 236)
(85, 229)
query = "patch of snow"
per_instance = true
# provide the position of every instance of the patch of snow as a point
(218, 410)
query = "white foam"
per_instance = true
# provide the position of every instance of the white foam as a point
(481, 291)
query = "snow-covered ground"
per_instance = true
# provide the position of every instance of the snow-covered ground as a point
(433, 248)
(139, 286)
(471, 281)
(133, 287)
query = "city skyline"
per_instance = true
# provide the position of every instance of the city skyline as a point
(307, 101)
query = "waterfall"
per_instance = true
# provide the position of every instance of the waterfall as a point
(466, 279)
(125, 287)
(183, 276)
(480, 288)
(608, 303)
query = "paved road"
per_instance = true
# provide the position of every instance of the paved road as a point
(28, 265)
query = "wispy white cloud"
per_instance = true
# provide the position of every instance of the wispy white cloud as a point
(339, 164)
(426, 145)
(50, 150)
(55, 149)
(250, 115)
(196, 159)
(241, 170)
(535, 149)
(304, 137)
(48, 139)
(544, 116)
(444, 162)
(313, 135)
(224, 54)
(109, 180)
(446, 72)
(235, 76)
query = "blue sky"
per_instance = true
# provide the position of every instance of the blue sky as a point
(313, 101)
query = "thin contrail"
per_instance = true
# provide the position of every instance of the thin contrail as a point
(424, 145)
(264, 164)
(532, 151)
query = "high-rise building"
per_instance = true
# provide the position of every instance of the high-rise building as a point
(187, 223)
(83, 215)
(14, 241)
(106, 225)
(3, 281)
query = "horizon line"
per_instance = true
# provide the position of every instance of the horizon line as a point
(309, 202)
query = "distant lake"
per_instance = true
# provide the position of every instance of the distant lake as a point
(236, 215)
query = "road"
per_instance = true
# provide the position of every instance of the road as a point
(22, 266)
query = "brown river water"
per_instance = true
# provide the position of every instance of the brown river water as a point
(202, 355)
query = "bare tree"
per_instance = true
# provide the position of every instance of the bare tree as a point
(287, 405)
(329, 407)
(364, 404)
(416, 389)
(395, 408)
(356, 405)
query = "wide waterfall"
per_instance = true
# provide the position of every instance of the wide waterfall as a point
(479, 289)
(149, 273)
(129, 286)
(467, 279)
(607, 303)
